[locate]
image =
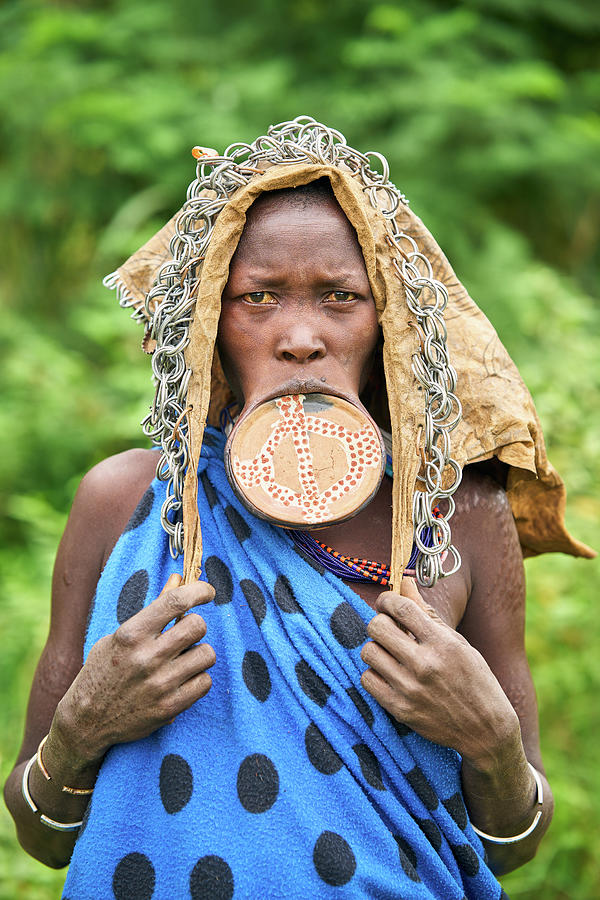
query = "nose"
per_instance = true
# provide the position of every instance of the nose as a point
(300, 343)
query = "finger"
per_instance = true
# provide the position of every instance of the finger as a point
(387, 633)
(409, 588)
(182, 636)
(378, 688)
(407, 613)
(191, 690)
(171, 604)
(173, 581)
(382, 662)
(194, 662)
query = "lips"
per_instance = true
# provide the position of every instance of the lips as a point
(301, 386)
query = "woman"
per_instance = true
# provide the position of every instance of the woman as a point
(291, 769)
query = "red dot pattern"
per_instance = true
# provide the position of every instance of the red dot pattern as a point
(362, 449)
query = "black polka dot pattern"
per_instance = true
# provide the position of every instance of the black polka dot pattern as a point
(218, 574)
(431, 832)
(255, 599)
(256, 675)
(312, 684)
(240, 527)
(320, 752)
(176, 782)
(456, 807)
(257, 783)
(399, 727)
(369, 766)
(134, 878)
(333, 859)
(362, 706)
(211, 879)
(408, 858)
(417, 780)
(284, 596)
(348, 628)
(142, 510)
(132, 596)
(466, 858)
(209, 490)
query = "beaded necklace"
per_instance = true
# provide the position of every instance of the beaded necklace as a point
(354, 568)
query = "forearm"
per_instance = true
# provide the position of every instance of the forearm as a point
(502, 799)
(45, 843)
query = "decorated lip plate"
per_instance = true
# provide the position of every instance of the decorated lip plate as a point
(305, 460)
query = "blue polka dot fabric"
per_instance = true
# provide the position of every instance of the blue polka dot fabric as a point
(287, 780)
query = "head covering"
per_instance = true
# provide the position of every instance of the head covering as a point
(432, 330)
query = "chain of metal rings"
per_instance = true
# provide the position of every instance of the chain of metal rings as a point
(440, 474)
(170, 304)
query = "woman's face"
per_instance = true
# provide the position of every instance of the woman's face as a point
(297, 312)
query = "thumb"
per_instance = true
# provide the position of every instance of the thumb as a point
(173, 581)
(409, 588)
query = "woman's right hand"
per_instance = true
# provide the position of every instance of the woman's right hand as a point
(138, 678)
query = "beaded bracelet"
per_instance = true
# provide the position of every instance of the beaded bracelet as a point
(527, 832)
(80, 792)
(46, 820)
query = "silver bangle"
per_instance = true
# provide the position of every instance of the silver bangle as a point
(528, 831)
(46, 820)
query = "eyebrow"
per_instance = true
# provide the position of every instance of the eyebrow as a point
(268, 279)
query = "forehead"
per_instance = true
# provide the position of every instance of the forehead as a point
(280, 230)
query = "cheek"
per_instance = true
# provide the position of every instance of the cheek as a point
(364, 335)
(231, 347)
(366, 346)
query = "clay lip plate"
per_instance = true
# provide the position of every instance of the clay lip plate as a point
(305, 460)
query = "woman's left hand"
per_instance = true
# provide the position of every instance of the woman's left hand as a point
(430, 678)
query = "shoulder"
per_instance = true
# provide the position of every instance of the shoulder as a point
(103, 504)
(483, 525)
(109, 493)
(123, 470)
(485, 532)
(480, 493)
(490, 580)
(118, 481)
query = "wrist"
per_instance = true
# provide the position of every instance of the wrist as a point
(67, 756)
(497, 752)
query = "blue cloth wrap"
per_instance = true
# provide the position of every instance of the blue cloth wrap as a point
(287, 780)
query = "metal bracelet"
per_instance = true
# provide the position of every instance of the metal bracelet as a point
(78, 792)
(46, 820)
(170, 303)
(532, 827)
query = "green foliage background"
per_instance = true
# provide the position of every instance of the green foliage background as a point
(488, 112)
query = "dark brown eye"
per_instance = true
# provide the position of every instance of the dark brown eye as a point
(258, 298)
(340, 297)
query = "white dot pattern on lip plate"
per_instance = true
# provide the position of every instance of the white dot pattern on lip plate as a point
(362, 448)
